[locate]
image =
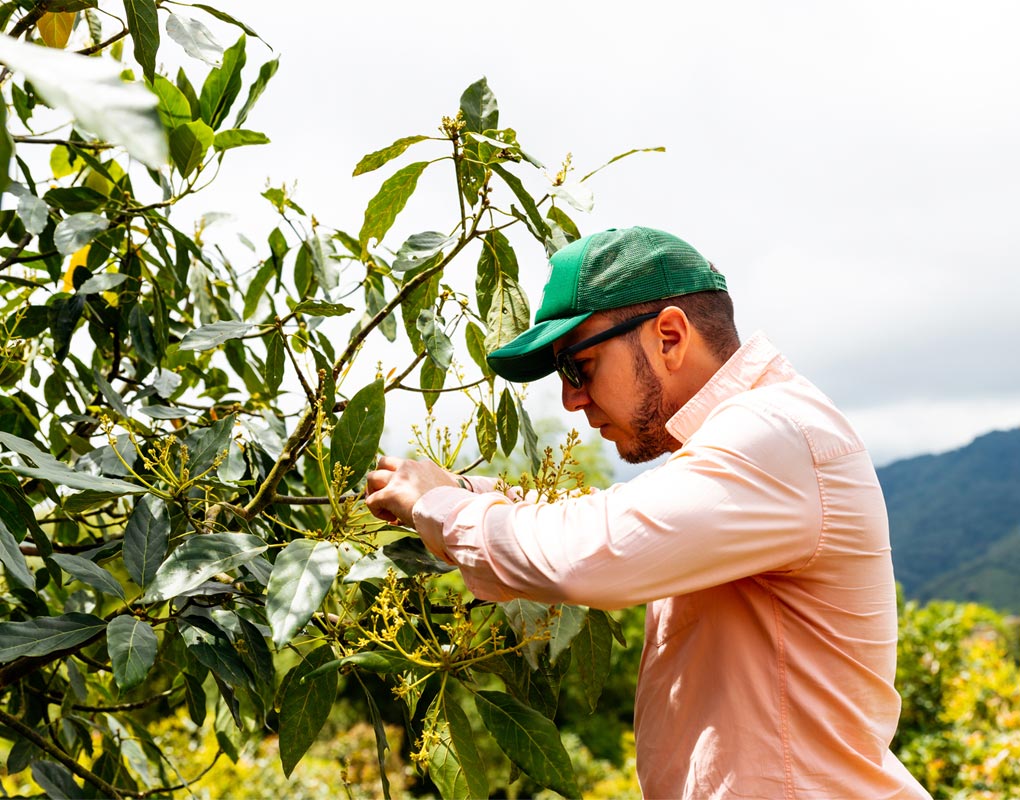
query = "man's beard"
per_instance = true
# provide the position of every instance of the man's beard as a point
(649, 422)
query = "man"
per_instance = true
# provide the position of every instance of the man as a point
(761, 545)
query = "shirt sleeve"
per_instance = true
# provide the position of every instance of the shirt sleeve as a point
(741, 498)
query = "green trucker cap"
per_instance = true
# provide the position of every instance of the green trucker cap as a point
(606, 270)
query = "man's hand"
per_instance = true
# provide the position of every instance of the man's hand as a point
(395, 486)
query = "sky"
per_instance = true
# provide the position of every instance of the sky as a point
(853, 169)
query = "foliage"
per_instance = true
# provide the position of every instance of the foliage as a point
(185, 436)
(959, 678)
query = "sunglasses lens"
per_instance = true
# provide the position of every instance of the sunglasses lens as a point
(568, 369)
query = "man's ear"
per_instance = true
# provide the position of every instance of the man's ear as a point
(673, 331)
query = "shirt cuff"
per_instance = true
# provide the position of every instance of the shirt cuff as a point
(431, 511)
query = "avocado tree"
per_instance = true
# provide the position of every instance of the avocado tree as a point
(184, 437)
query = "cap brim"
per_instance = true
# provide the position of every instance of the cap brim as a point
(530, 356)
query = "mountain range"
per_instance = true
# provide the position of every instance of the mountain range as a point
(954, 522)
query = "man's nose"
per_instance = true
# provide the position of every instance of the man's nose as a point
(573, 399)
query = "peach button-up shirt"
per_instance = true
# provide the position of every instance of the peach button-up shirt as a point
(762, 550)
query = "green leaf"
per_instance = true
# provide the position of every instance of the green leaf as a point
(210, 444)
(432, 379)
(146, 537)
(196, 39)
(485, 433)
(102, 283)
(73, 199)
(266, 72)
(320, 308)
(481, 112)
(235, 137)
(44, 635)
(143, 336)
(530, 438)
(476, 348)
(357, 432)
(76, 231)
(163, 412)
(421, 297)
(15, 566)
(222, 85)
(194, 696)
(558, 217)
(199, 559)
(592, 650)
(55, 779)
(301, 578)
(455, 765)
(65, 315)
(564, 626)
(89, 573)
(496, 262)
(379, 157)
(624, 155)
(92, 90)
(538, 225)
(381, 662)
(530, 740)
(257, 288)
(419, 248)
(173, 108)
(132, 646)
(508, 317)
(212, 648)
(507, 422)
(275, 362)
(47, 468)
(188, 145)
(216, 333)
(6, 149)
(18, 514)
(389, 201)
(381, 743)
(530, 621)
(143, 24)
(34, 213)
(407, 557)
(437, 343)
(305, 706)
(221, 15)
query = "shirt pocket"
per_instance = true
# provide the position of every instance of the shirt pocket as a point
(674, 616)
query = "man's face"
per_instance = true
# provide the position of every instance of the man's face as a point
(621, 395)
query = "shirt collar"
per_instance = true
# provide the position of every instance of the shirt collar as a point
(756, 363)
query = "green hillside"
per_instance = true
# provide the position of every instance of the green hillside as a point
(955, 522)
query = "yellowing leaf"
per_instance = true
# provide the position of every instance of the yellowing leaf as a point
(79, 259)
(55, 28)
(60, 162)
(97, 181)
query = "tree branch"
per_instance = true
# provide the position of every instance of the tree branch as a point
(19, 727)
(12, 257)
(409, 286)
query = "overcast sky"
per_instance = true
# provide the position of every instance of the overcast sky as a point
(853, 169)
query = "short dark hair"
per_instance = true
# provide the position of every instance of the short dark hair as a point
(710, 312)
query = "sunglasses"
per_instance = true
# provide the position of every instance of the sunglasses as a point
(564, 361)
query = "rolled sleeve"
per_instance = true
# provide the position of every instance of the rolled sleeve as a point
(746, 504)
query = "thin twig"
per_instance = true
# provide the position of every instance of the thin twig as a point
(12, 257)
(312, 399)
(437, 391)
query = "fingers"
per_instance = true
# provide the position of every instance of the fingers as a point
(390, 463)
